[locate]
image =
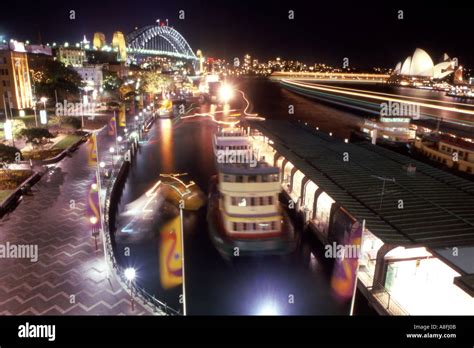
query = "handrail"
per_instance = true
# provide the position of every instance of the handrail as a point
(383, 295)
(145, 298)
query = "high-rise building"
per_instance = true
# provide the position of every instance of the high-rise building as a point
(15, 84)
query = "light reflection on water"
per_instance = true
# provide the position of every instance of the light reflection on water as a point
(267, 285)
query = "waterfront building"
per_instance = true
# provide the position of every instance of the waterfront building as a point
(15, 84)
(421, 65)
(417, 247)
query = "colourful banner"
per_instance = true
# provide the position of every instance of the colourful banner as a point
(122, 116)
(345, 267)
(171, 271)
(112, 126)
(93, 207)
(92, 150)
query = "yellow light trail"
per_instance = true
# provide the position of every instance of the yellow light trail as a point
(407, 97)
(369, 96)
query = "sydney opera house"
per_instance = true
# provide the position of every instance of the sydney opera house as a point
(421, 65)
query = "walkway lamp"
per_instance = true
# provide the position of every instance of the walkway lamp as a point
(130, 276)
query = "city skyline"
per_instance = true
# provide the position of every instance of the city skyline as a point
(232, 159)
(371, 36)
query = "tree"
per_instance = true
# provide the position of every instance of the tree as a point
(154, 82)
(9, 154)
(36, 136)
(111, 82)
(56, 77)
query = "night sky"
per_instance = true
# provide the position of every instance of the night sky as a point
(368, 36)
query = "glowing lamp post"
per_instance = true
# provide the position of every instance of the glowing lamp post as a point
(225, 93)
(130, 276)
(44, 100)
(95, 231)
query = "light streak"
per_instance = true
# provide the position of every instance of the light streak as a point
(407, 97)
(364, 95)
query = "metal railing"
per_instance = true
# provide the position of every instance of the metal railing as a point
(381, 294)
(140, 295)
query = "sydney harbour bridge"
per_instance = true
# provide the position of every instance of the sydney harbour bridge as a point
(159, 40)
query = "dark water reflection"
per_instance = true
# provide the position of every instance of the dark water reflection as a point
(293, 285)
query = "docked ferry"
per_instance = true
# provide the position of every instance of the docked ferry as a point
(244, 212)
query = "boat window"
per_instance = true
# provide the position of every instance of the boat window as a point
(252, 178)
(239, 178)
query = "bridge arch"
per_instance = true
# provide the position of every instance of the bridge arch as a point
(159, 40)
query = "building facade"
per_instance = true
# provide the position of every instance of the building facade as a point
(15, 84)
(71, 56)
(92, 76)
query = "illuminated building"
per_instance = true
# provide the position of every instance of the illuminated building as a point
(98, 41)
(92, 76)
(71, 56)
(421, 65)
(402, 269)
(15, 84)
(118, 42)
(458, 75)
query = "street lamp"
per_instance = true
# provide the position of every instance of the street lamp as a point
(225, 93)
(44, 100)
(95, 232)
(130, 276)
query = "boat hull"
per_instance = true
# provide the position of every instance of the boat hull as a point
(230, 247)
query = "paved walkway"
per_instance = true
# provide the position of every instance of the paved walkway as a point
(69, 267)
